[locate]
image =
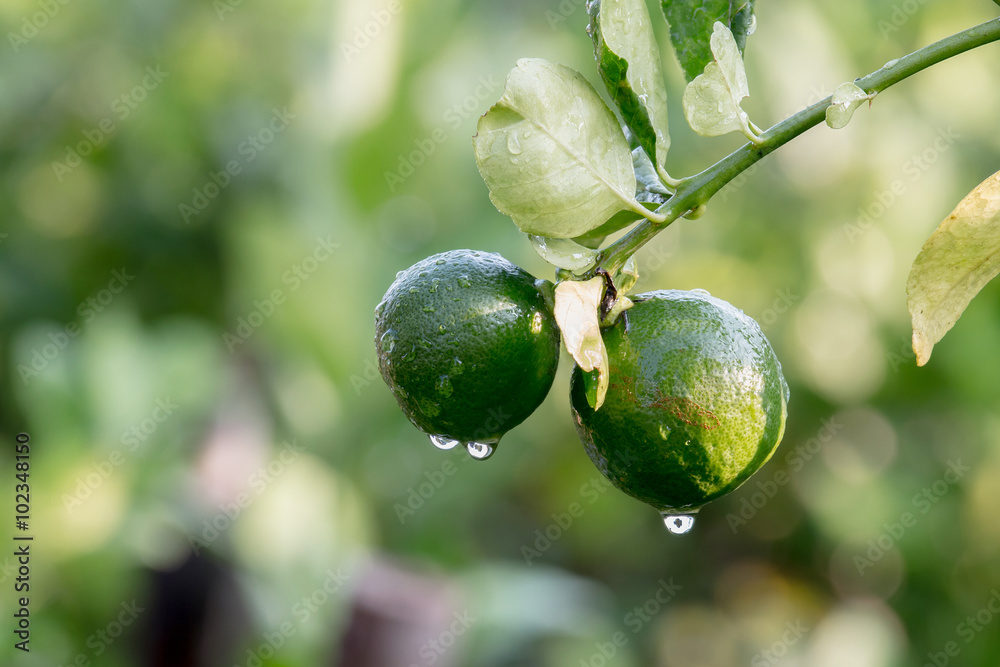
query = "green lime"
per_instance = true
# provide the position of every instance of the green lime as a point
(696, 402)
(468, 345)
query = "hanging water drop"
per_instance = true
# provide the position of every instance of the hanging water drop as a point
(752, 28)
(678, 524)
(480, 450)
(442, 442)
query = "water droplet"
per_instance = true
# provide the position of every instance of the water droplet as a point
(480, 450)
(434, 287)
(512, 144)
(414, 290)
(752, 28)
(536, 322)
(439, 262)
(443, 386)
(442, 328)
(388, 341)
(422, 274)
(399, 273)
(463, 281)
(428, 309)
(701, 292)
(678, 524)
(664, 431)
(890, 64)
(443, 442)
(456, 366)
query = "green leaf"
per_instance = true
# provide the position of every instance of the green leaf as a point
(846, 98)
(959, 258)
(629, 61)
(712, 101)
(577, 315)
(691, 26)
(564, 253)
(552, 153)
(620, 220)
(647, 179)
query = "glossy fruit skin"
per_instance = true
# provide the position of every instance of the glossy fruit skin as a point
(696, 402)
(467, 343)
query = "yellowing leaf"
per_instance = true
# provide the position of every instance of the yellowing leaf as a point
(552, 153)
(712, 101)
(959, 258)
(576, 312)
(846, 98)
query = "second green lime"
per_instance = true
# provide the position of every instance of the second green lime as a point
(696, 403)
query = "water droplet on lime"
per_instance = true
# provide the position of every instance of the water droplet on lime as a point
(443, 386)
(443, 442)
(388, 341)
(480, 450)
(678, 524)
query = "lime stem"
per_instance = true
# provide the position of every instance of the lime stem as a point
(695, 191)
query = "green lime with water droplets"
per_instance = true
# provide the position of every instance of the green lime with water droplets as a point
(696, 402)
(468, 345)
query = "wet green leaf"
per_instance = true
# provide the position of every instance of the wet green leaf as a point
(959, 258)
(691, 26)
(552, 153)
(629, 61)
(712, 101)
(846, 98)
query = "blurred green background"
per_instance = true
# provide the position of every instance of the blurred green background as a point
(203, 202)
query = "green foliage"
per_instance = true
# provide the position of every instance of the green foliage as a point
(712, 101)
(552, 153)
(628, 59)
(691, 28)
